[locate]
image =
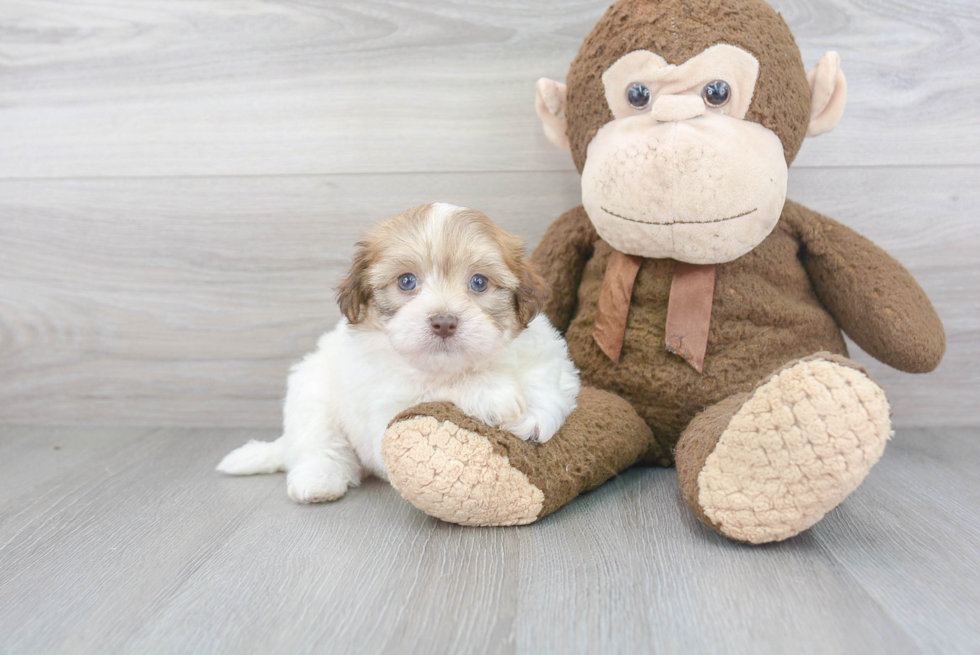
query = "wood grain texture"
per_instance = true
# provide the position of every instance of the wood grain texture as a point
(925, 499)
(136, 545)
(182, 301)
(181, 183)
(96, 89)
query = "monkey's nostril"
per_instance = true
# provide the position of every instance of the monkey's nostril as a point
(443, 324)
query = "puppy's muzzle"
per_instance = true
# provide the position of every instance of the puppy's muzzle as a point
(444, 325)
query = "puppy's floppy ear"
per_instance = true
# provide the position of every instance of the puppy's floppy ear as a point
(354, 292)
(531, 291)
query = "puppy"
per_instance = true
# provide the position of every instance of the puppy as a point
(440, 305)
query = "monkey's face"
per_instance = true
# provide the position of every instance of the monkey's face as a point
(683, 116)
(678, 173)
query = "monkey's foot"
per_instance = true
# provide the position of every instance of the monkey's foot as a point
(458, 469)
(766, 465)
(454, 474)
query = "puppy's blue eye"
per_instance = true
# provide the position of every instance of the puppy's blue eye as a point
(407, 282)
(478, 283)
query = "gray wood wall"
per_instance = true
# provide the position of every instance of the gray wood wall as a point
(181, 183)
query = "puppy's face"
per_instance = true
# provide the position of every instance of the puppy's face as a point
(446, 286)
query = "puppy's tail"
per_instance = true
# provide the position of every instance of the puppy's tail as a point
(255, 457)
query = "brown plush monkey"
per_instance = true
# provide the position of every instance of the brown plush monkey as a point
(703, 308)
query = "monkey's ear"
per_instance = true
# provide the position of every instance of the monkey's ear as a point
(828, 93)
(550, 105)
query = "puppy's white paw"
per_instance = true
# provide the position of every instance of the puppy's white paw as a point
(525, 429)
(507, 406)
(530, 428)
(315, 482)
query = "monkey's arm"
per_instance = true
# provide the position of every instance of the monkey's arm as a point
(874, 299)
(560, 258)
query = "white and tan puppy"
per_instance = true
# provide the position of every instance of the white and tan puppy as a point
(440, 305)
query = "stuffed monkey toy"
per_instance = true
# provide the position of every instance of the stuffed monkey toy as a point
(703, 308)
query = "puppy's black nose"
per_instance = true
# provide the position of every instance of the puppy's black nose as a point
(443, 324)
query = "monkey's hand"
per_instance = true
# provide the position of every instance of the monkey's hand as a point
(874, 299)
(560, 258)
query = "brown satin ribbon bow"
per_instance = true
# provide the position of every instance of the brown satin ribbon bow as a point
(688, 309)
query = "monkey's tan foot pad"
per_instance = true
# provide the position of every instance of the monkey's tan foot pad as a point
(454, 474)
(456, 468)
(792, 450)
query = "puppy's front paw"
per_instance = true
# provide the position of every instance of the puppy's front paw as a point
(526, 429)
(531, 428)
(508, 406)
(315, 482)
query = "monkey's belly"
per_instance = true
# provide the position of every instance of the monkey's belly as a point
(764, 314)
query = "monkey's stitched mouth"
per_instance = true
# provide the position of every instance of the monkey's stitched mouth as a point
(717, 220)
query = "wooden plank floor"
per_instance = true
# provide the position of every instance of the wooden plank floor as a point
(125, 540)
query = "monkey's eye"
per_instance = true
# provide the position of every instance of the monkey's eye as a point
(407, 282)
(478, 283)
(716, 94)
(638, 96)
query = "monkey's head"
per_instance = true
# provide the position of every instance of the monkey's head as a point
(683, 117)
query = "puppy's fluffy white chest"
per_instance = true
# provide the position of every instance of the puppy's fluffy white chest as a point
(365, 386)
(362, 385)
